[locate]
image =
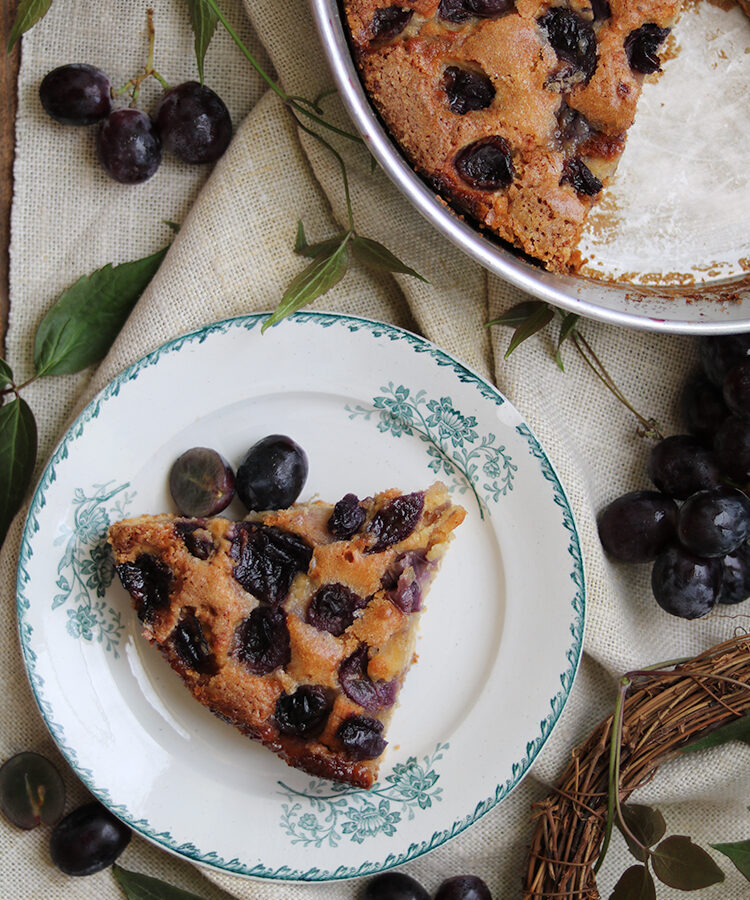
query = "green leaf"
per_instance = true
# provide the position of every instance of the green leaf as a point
(87, 317)
(535, 322)
(738, 730)
(203, 19)
(300, 241)
(567, 327)
(376, 256)
(681, 864)
(29, 12)
(312, 282)
(143, 887)
(518, 314)
(17, 458)
(739, 853)
(6, 373)
(635, 883)
(646, 824)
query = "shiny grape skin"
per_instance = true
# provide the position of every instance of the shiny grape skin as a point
(735, 582)
(714, 522)
(394, 886)
(637, 526)
(732, 448)
(31, 790)
(463, 887)
(88, 840)
(272, 474)
(685, 585)
(201, 482)
(702, 406)
(128, 146)
(719, 353)
(736, 389)
(194, 123)
(76, 94)
(680, 465)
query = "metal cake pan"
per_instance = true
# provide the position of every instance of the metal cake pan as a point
(715, 307)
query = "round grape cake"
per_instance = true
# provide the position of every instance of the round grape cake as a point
(296, 625)
(516, 111)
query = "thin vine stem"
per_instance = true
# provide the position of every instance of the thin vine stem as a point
(613, 801)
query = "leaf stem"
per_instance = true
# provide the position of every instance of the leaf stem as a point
(614, 769)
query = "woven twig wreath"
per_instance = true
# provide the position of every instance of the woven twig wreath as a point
(662, 713)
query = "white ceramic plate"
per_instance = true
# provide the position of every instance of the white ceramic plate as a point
(375, 407)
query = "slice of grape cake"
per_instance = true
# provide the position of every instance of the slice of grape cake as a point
(298, 625)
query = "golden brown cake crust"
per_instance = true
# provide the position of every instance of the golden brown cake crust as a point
(197, 613)
(554, 118)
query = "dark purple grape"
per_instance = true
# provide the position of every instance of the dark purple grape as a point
(77, 94)
(129, 146)
(487, 164)
(360, 689)
(362, 737)
(637, 526)
(574, 43)
(714, 522)
(272, 474)
(88, 840)
(578, 175)
(305, 712)
(461, 10)
(196, 537)
(404, 578)
(347, 517)
(685, 585)
(732, 448)
(573, 128)
(467, 90)
(641, 46)
(721, 353)
(680, 465)
(736, 389)
(332, 608)
(389, 22)
(262, 640)
(463, 887)
(601, 10)
(394, 886)
(194, 123)
(702, 407)
(31, 790)
(396, 520)
(201, 482)
(190, 643)
(268, 559)
(735, 580)
(148, 581)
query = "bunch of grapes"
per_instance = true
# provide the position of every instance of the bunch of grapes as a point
(191, 120)
(695, 525)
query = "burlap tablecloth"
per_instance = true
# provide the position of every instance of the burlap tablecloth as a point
(234, 255)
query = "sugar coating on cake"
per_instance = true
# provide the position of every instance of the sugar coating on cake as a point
(516, 112)
(297, 626)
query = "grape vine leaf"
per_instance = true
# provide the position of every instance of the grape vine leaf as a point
(86, 318)
(18, 441)
(635, 883)
(144, 887)
(738, 730)
(6, 373)
(739, 853)
(312, 250)
(528, 317)
(376, 256)
(567, 327)
(323, 273)
(681, 864)
(203, 20)
(646, 824)
(28, 13)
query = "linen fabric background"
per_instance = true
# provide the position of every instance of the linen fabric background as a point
(234, 255)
